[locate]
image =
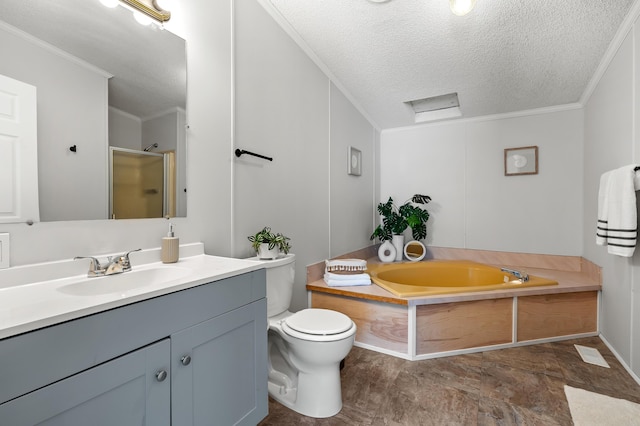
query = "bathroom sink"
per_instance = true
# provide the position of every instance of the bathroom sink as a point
(122, 283)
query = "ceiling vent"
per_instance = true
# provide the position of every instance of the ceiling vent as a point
(436, 108)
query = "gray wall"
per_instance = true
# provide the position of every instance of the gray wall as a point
(612, 141)
(287, 108)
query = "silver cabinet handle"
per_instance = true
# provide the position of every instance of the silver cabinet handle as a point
(161, 375)
(185, 360)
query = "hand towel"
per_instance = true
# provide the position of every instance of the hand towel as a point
(331, 282)
(603, 192)
(346, 277)
(617, 211)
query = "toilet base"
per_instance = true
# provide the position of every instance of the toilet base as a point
(311, 403)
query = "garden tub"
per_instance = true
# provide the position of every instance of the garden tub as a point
(409, 279)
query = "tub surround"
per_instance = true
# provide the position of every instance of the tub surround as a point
(424, 327)
(31, 296)
(573, 274)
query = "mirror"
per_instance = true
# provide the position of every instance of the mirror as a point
(102, 80)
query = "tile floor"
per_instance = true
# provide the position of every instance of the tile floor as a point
(516, 386)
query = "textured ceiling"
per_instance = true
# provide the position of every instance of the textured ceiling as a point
(504, 56)
(148, 64)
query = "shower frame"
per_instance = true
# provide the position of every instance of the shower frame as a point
(166, 184)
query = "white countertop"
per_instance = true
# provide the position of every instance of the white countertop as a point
(29, 301)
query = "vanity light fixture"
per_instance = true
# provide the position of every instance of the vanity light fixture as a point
(143, 10)
(461, 7)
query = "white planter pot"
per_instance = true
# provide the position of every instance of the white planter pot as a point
(267, 254)
(398, 243)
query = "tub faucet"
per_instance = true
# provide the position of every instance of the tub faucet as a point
(522, 276)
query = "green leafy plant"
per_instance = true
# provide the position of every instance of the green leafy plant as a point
(396, 219)
(265, 236)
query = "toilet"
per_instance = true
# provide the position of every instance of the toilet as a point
(305, 348)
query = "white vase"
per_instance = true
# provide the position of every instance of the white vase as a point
(398, 243)
(386, 252)
(415, 251)
(265, 253)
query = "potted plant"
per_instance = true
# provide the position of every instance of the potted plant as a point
(395, 220)
(268, 244)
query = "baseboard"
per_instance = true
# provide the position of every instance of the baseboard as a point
(619, 358)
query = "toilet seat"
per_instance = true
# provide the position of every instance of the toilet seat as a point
(318, 325)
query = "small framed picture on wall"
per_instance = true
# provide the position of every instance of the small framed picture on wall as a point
(521, 161)
(354, 164)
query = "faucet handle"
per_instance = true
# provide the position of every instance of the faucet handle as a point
(95, 269)
(124, 260)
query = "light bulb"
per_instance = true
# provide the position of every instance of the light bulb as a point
(110, 3)
(141, 18)
(461, 7)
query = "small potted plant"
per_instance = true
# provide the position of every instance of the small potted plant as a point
(395, 220)
(268, 244)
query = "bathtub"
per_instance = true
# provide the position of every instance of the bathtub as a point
(409, 279)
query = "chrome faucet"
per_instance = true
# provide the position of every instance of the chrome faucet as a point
(95, 269)
(522, 276)
(123, 260)
(115, 265)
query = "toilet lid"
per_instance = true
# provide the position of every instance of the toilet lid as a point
(319, 322)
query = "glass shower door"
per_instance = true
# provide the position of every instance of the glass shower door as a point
(138, 184)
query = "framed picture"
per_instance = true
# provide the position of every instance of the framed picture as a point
(354, 165)
(521, 161)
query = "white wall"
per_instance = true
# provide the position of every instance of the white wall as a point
(460, 164)
(125, 130)
(67, 92)
(352, 197)
(287, 109)
(611, 142)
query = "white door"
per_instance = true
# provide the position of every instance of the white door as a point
(18, 152)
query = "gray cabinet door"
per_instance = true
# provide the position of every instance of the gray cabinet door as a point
(224, 379)
(125, 392)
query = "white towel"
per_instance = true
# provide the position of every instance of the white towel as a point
(603, 191)
(332, 282)
(617, 215)
(346, 277)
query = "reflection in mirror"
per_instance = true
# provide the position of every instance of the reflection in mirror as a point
(141, 183)
(101, 80)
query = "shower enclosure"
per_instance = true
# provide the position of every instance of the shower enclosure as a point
(142, 184)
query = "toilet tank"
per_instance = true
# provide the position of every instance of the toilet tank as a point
(280, 276)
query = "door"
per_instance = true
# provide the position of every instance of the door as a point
(18, 152)
(131, 390)
(219, 369)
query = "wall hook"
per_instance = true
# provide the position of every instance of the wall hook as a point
(239, 152)
(73, 148)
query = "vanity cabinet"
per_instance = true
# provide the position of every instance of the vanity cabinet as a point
(133, 389)
(192, 357)
(213, 370)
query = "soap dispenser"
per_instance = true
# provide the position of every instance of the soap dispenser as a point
(170, 247)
